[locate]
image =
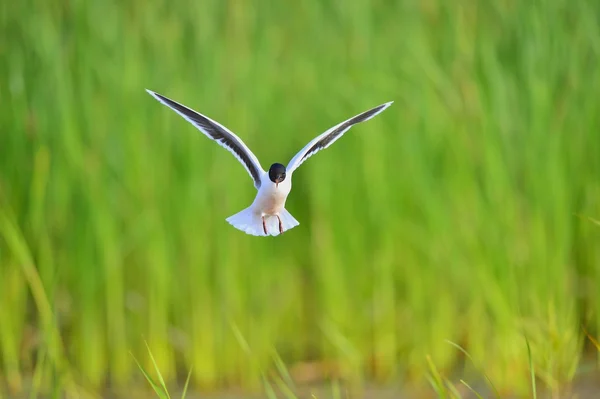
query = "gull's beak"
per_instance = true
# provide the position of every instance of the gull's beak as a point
(277, 181)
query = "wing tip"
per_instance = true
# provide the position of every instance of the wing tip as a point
(153, 94)
(385, 105)
(160, 98)
(379, 109)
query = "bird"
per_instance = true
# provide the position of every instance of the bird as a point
(267, 215)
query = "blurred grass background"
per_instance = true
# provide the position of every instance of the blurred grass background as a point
(461, 213)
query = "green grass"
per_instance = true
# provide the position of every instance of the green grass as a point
(465, 212)
(160, 388)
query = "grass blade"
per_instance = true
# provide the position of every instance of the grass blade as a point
(160, 377)
(269, 388)
(489, 381)
(283, 371)
(284, 388)
(240, 338)
(435, 379)
(36, 381)
(592, 339)
(335, 390)
(471, 389)
(185, 387)
(161, 394)
(531, 370)
(453, 391)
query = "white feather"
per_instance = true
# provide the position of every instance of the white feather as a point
(250, 222)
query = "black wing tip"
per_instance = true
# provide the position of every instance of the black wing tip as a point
(167, 101)
(385, 105)
(156, 95)
(374, 111)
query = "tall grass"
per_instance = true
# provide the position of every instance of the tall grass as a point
(455, 215)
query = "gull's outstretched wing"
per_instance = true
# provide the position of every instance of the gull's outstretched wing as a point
(219, 133)
(326, 139)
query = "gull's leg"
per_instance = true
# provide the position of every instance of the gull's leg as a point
(280, 225)
(264, 225)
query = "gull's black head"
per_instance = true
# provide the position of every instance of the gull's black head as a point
(277, 173)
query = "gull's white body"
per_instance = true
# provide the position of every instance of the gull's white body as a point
(271, 197)
(269, 203)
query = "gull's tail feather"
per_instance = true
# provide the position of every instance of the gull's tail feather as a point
(250, 222)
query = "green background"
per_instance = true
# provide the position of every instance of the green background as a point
(466, 212)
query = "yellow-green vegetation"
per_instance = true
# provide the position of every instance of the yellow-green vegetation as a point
(461, 214)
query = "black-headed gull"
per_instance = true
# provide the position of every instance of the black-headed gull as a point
(267, 214)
